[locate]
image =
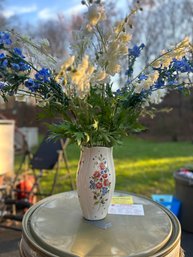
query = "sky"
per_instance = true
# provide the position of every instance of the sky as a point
(34, 10)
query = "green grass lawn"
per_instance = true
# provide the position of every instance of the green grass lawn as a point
(143, 167)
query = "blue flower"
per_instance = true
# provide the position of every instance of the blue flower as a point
(142, 45)
(43, 75)
(4, 63)
(129, 81)
(15, 66)
(21, 66)
(32, 85)
(104, 190)
(129, 71)
(172, 82)
(5, 38)
(92, 184)
(180, 88)
(2, 56)
(182, 65)
(118, 92)
(136, 50)
(159, 83)
(24, 66)
(2, 85)
(142, 77)
(18, 51)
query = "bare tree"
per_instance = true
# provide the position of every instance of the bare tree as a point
(187, 9)
(2, 17)
(160, 26)
(59, 31)
(56, 32)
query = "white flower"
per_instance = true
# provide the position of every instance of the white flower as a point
(185, 43)
(81, 76)
(123, 50)
(113, 68)
(146, 84)
(41, 103)
(156, 97)
(138, 88)
(23, 94)
(178, 52)
(95, 14)
(99, 77)
(166, 62)
(113, 48)
(20, 98)
(68, 62)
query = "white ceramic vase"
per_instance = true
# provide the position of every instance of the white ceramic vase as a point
(95, 181)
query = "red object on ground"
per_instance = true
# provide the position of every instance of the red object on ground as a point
(24, 188)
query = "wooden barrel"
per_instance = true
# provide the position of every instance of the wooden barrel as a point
(55, 227)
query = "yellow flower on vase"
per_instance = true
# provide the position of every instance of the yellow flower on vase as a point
(124, 37)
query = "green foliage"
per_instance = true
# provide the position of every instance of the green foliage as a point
(102, 118)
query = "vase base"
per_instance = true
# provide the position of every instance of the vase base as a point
(93, 219)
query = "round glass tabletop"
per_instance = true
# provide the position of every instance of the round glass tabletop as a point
(56, 226)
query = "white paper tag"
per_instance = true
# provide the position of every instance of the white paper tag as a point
(127, 209)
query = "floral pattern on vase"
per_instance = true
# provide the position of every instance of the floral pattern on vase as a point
(99, 182)
(95, 181)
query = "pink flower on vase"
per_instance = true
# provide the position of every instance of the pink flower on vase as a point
(105, 175)
(99, 185)
(102, 166)
(96, 174)
(107, 182)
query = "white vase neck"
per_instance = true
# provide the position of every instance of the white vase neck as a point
(97, 150)
(96, 147)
